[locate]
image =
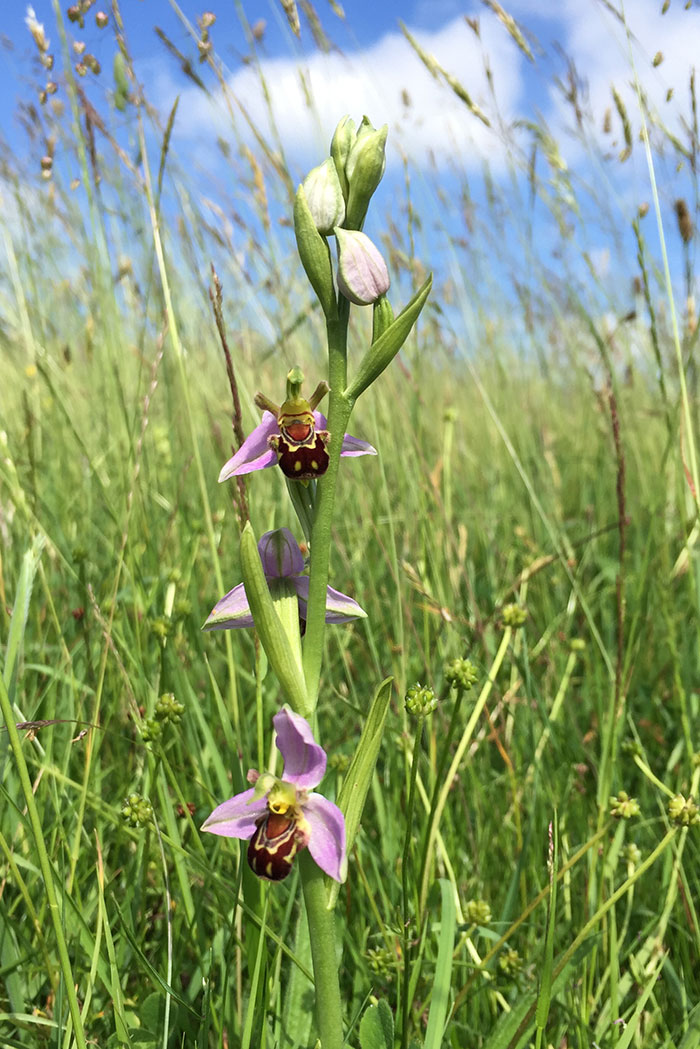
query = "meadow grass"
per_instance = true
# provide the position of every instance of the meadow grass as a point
(512, 908)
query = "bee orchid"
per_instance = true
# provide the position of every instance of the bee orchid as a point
(280, 816)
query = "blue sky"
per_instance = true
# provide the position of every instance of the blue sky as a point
(372, 69)
(373, 64)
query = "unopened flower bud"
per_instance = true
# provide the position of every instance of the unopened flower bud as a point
(362, 273)
(364, 168)
(478, 912)
(683, 811)
(161, 628)
(461, 673)
(325, 197)
(420, 701)
(514, 616)
(339, 762)
(632, 854)
(510, 963)
(151, 730)
(623, 807)
(381, 961)
(341, 144)
(168, 709)
(137, 810)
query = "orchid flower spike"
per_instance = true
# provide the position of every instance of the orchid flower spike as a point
(281, 559)
(293, 435)
(280, 816)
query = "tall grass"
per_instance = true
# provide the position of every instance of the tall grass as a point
(531, 452)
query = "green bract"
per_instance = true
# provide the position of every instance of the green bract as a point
(382, 352)
(343, 139)
(278, 633)
(314, 254)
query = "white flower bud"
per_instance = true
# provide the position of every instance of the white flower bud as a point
(362, 274)
(324, 197)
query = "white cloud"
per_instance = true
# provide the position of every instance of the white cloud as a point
(375, 81)
(308, 96)
(598, 44)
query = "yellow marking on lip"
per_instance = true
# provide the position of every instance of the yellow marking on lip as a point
(297, 465)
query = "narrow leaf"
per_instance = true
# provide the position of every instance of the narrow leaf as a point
(544, 996)
(443, 969)
(351, 799)
(20, 611)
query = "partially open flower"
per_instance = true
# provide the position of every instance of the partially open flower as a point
(281, 816)
(281, 559)
(362, 274)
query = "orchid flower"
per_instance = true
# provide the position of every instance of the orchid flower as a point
(280, 816)
(292, 435)
(281, 559)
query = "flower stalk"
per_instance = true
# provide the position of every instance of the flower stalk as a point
(329, 1013)
(339, 412)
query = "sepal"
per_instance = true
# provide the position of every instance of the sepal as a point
(341, 144)
(324, 197)
(364, 169)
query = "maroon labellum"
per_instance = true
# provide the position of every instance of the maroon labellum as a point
(274, 845)
(302, 461)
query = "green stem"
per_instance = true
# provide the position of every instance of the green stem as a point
(339, 412)
(329, 1015)
(44, 865)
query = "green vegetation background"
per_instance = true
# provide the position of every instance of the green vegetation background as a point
(549, 461)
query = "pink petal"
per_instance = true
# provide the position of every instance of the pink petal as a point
(351, 445)
(236, 817)
(231, 612)
(304, 758)
(354, 446)
(327, 838)
(280, 554)
(255, 453)
(339, 607)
